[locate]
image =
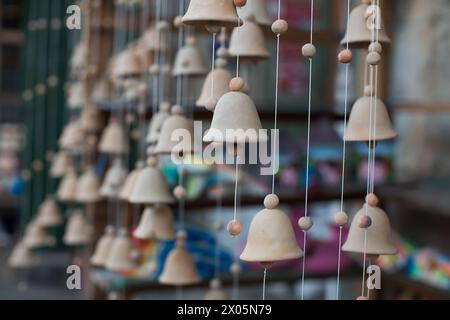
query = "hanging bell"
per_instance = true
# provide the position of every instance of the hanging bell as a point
(151, 186)
(179, 267)
(126, 65)
(156, 223)
(37, 237)
(358, 33)
(49, 214)
(211, 13)
(88, 187)
(271, 237)
(72, 138)
(78, 231)
(248, 42)
(358, 127)
(103, 248)
(61, 163)
(130, 181)
(91, 119)
(77, 96)
(79, 58)
(257, 9)
(189, 60)
(216, 293)
(157, 122)
(235, 118)
(114, 139)
(151, 39)
(379, 237)
(22, 257)
(221, 78)
(120, 257)
(67, 189)
(113, 181)
(102, 90)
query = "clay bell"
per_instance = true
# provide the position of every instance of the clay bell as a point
(257, 9)
(248, 42)
(151, 187)
(88, 187)
(379, 236)
(156, 223)
(80, 56)
(157, 122)
(103, 248)
(189, 60)
(22, 257)
(271, 236)
(358, 33)
(130, 181)
(61, 163)
(91, 119)
(49, 214)
(113, 181)
(78, 231)
(120, 257)
(126, 64)
(151, 39)
(358, 126)
(221, 78)
(37, 237)
(72, 137)
(101, 90)
(216, 292)
(113, 140)
(77, 96)
(67, 189)
(179, 267)
(211, 13)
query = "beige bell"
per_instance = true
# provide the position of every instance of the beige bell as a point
(80, 55)
(130, 181)
(216, 293)
(61, 163)
(22, 257)
(103, 248)
(91, 119)
(358, 33)
(126, 64)
(184, 144)
(157, 122)
(37, 237)
(78, 231)
(67, 189)
(102, 90)
(221, 78)
(151, 187)
(257, 9)
(88, 187)
(113, 181)
(358, 127)
(120, 256)
(49, 214)
(151, 40)
(179, 268)
(72, 137)
(156, 223)
(248, 42)
(114, 139)
(271, 236)
(379, 237)
(189, 60)
(77, 96)
(211, 12)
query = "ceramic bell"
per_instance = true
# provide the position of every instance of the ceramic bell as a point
(211, 12)
(126, 64)
(72, 138)
(103, 248)
(236, 111)
(257, 9)
(91, 119)
(80, 56)
(102, 90)
(248, 42)
(157, 122)
(88, 187)
(114, 139)
(120, 256)
(49, 214)
(151, 187)
(358, 126)
(22, 257)
(179, 267)
(130, 181)
(216, 292)
(221, 77)
(185, 143)
(271, 236)
(78, 232)
(67, 189)
(151, 40)
(61, 163)
(189, 60)
(358, 33)
(113, 181)
(37, 237)
(157, 222)
(77, 96)
(379, 237)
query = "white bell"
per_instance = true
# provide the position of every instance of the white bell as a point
(157, 222)
(49, 214)
(257, 9)
(78, 231)
(157, 122)
(88, 187)
(103, 248)
(113, 181)
(120, 256)
(189, 60)
(22, 257)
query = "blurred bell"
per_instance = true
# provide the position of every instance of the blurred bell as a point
(88, 187)
(37, 237)
(120, 256)
(211, 12)
(126, 64)
(130, 181)
(189, 60)
(102, 90)
(72, 137)
(77, 96)
(216, 292)
(78, 231)
(114, 139)
(156, 223)
(49, 214)
(103, 248)
(221, 78)
(151, 40)
(79, 57)
(61, 163)
(114, 179)
(91, 119)
(257, 9)
(157, 122)
(67, 189)
(22, 257)
(248, 42)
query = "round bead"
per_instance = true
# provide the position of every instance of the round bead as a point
(182, 235)
(373, 58)
(222, 52)
(234, 228)
(305, 223)
(41, 89)
(345, 56)
(341, 218)
(280, 26)
(177, 110)
(372, 200)
(362, 298)
(162, 25)
(152, 161)
(368, 91)
(53, 81)
(364, 222)
(309, 50)
(164, 106)
(237, 84)
(375, 47)
(221, 63)
(271, 201)
(211, 104)
(37, 165)
(240, 3)
(179, 192)
(154, 69)
(213, 28)
(178, 22)
(235, 268)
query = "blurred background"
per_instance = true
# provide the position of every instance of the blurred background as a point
(49, 74)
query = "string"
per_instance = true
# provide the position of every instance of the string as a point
(181, 200)
(156, 80)
(264, 284)
(238, 56)
(213, 64)
(180, 44)
(218, 221)
(308, 148)
(236, 186)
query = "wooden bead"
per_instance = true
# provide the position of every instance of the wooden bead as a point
(152, 161)
(212, 28)
(280, 26)
(375, 47)
(368, 91)
(235, 268)
(373, 58)
(364, 222)
(178, 22)
(305, 223)
(271, 201)
(237, 84)
(345, 56)
(177, 110)
(234, 228)
(240, 3)
(341, 218)
(372, 200)
(266, 264)
(309, 50)
(211, 104)
(221, 63)
(37, 165)
(191, 40)
(222, 52)
(179, 192)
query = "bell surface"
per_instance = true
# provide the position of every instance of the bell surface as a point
(61, 163)
(157, 122)
(91, 119)
(72, 137)
(220, 13)
(77, 96)
(49, 214)
(78, 232)
(120, 256)
(221, 78)
(256, 9)
(156, 223)
(130, 182)
(88, 187)
(113, 181)
(151, 187)
(37, 237)
(103, 248)
(22, 257)
(189, 60)
(114, 139)
(67, 189)
(248, 42)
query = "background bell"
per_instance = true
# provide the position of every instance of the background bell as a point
(91, 119)
(22, 257)
(49, 214)
(77, 96)
(61, 163)
(103, 248)
(211, 12)
(216, 292)
(114, 139)
(88, 187)
(157, 222)
(221, 78)
(67, 188)
(126, 64)
(157, 122)
(130, 181)
(120, 256)
(189, 60)
(113, 181)
(78, 231)
(248, 42)
(37, 237)
(257, 9)
(72, 137)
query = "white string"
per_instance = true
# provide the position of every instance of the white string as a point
(180, 44)
(238, 54)
(275, 125)
(213, 63)
(264, 284)
(236, 185)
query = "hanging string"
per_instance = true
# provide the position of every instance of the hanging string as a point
(180, 44)
(156, 79)
(238, 56)
(213, 62)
